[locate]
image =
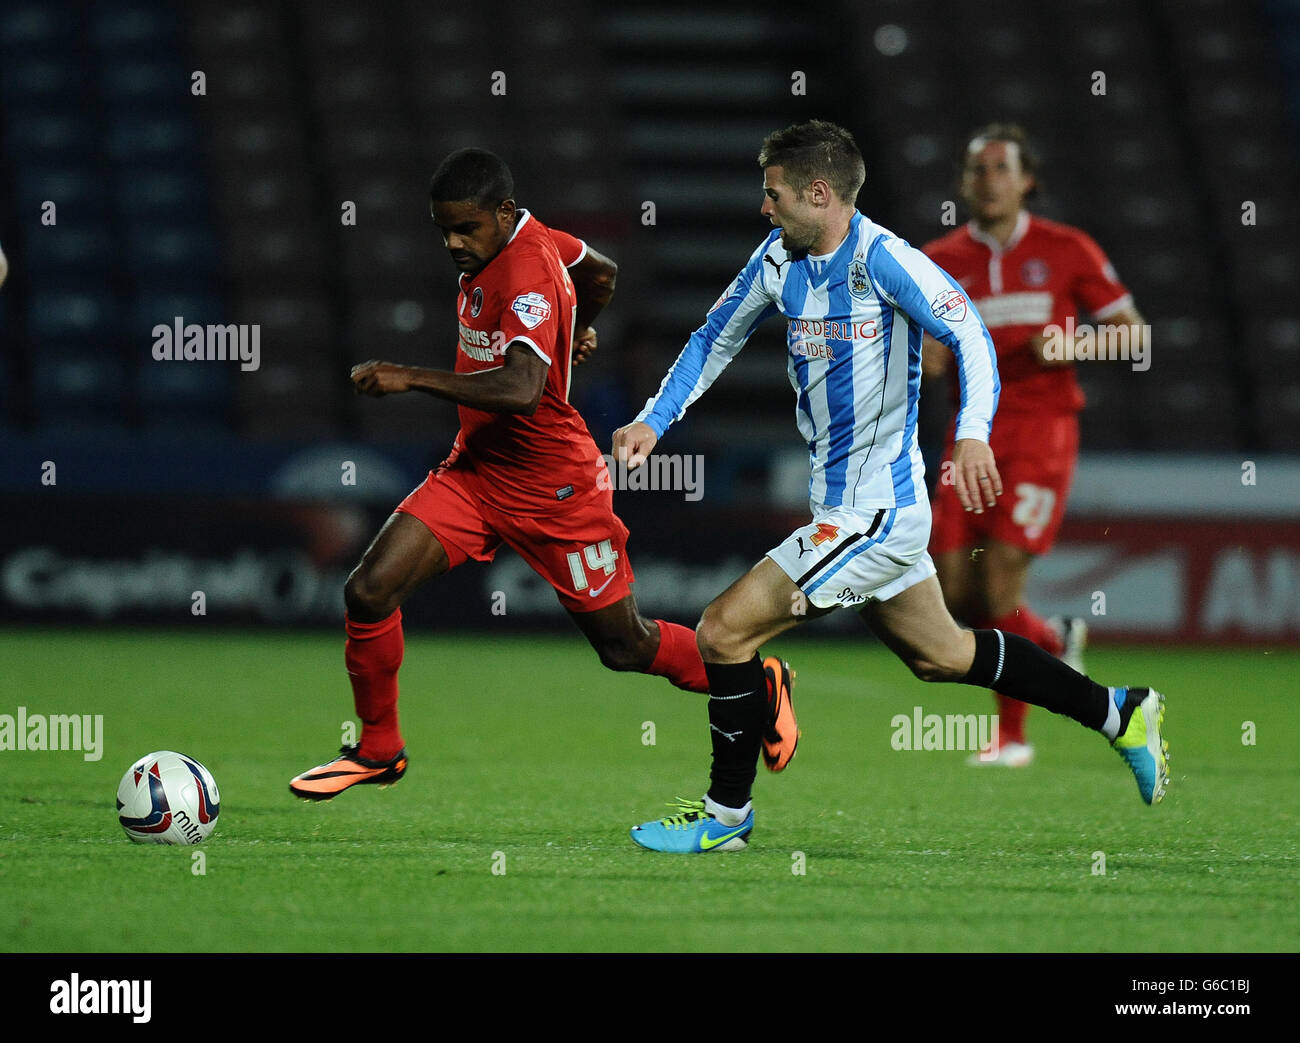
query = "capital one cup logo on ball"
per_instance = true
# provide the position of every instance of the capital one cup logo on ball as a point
(168, 798)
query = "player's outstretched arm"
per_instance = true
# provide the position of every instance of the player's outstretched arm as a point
(594, 278)
(633, 443)
(515, 387)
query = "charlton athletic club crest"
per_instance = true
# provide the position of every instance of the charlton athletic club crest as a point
(950, 306)
(859, 284)
(476, 302)
(532, 308)
(1035, 272)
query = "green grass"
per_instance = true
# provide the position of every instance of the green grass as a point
(528, 748)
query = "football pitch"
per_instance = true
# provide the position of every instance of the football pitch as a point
(529, 763)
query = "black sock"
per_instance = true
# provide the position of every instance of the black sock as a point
(1017, 667)
(737, 715)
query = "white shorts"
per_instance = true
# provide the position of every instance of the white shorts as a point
(849, 555)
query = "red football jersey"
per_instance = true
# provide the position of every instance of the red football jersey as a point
(1045, 274)
(524, 294)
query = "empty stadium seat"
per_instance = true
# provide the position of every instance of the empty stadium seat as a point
(78, 385)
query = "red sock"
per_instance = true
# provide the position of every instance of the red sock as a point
(1032, 627)
(373, 655)
(678, 658)
(1011, 718)
(1023, 621)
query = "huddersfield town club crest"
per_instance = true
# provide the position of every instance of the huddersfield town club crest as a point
(859, 284)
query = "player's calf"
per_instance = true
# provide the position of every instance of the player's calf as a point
(624, 652)
(943, 657)
(950, 665)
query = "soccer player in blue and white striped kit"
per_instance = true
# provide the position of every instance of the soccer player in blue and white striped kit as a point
(857, 301)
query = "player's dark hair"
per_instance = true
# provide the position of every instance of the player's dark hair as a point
(812, 150)
(472, 174)
(1012, 134)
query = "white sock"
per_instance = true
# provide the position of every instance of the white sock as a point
(1111, 728)
(727, 816)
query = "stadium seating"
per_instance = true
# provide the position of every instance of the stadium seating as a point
(238, 195)
(105, 210)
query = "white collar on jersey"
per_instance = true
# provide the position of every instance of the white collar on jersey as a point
(1018, 233)
(519, 223)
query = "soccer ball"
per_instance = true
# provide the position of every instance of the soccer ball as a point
(168, 798)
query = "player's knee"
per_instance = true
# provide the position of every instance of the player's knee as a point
(1004, 584)
(717, 641)
(368, 598)
(996, 599)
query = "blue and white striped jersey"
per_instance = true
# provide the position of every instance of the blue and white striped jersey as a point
(854, 322)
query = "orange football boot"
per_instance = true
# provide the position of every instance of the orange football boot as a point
(347, 769)
(781, 737)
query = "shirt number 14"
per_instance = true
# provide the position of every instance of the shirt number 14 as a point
(600, 555)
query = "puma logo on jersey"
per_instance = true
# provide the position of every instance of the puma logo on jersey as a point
(775, 264)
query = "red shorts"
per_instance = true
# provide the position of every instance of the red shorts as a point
(581, 550)
(1036, 458)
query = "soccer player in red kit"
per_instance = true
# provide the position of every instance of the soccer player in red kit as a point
(1026, 276)
(523, 470)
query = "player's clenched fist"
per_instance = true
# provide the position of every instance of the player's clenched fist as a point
(380, 378)
(584, 344)
(632, 444)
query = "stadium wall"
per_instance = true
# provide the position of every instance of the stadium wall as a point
(1201, 550)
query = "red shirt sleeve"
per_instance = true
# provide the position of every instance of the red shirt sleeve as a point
(570, 247)
(934, 250)
(1096, 287)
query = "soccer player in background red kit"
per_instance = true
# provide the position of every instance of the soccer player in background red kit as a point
(1024, 275)
(524, 470)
